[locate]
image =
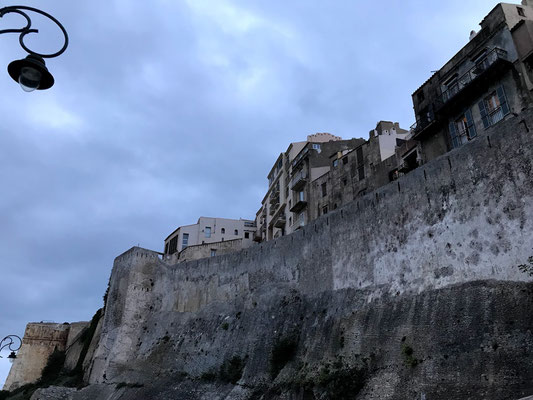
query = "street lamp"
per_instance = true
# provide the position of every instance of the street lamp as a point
(13, 343)
(31, 72)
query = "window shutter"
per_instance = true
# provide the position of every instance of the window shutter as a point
(483, 112)
(503, 100)
(470, 124)
(453, 135)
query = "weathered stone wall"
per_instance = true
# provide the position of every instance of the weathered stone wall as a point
(466, 216)
(39, 341)
(204, 250)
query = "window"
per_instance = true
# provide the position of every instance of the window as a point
(324, 190)
(344, 181)
(213, 252)
(361, 171)
(493, 108)
(290, 204)
(325, 210)
(185, 240)
(290, 221)
(223, 230)
(520, 11)
(173, 245)
(345, 160)
(236, 232)
(335, 162)
(301, 196)
(359, 153)
(207, 231)
(462, 129)
(247, 235)
(316, 147)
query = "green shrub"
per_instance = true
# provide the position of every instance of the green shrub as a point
(527, 269)
(341, 383)
(53, 366)
(408, 352)
(231, 370)
(225, 326)
(283, 351)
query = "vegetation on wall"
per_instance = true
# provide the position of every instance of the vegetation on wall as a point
(527, 268)
(284, 350)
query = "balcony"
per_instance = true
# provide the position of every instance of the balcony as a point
(299, 180)
(274, 198)
(299, 205)
(493, 58)
(278, 220)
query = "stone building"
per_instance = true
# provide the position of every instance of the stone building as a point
(207, 231)
(284, 207)
(487, 81)
(314, 176)
(359, 170)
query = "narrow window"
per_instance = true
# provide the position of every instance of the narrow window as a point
(247, 235)
(173, 245)
(213, 252)
(223, 230)
(185, 240)
(361, 171)
(462, 129)
(520, 11)
(236, 232)
(359, 153)
(493, 108)
(345, 160)
(335, 163)
(344, 181)
(301, 196)
(324, 190)
(207, 231)
(325, 210)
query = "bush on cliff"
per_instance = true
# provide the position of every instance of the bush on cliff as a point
(284, 350)
(231, 370)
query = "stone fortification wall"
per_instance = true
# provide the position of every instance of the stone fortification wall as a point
(39, 341)
(464, 217)
(199, 251)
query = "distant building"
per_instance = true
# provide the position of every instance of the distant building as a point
(284, 207)
(356, 171)
(208, 231)
(487, 81)
(303, 179)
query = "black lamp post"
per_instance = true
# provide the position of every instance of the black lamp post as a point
(31, 72)
(13, 343)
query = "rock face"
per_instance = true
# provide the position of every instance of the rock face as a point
(412, 291)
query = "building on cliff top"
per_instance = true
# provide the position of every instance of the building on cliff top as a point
(293, 198)
(209, 237)
(487, 81)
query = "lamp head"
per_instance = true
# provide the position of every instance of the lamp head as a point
(11, 357)
(31, 73)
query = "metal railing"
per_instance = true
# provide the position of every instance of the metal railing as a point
(480, 67)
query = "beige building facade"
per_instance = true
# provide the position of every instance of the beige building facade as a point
(207, 231)
(302, 180)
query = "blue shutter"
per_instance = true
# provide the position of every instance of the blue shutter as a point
(483, 112)
(453, 135)
(503, 101)
(470, 124)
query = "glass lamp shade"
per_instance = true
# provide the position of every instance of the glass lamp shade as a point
(31, 73)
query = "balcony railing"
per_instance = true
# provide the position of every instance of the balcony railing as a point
(481, 66)
(299, 180)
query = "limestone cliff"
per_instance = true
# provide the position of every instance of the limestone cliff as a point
(410, 292)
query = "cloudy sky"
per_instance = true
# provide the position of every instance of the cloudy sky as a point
(165, 112)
